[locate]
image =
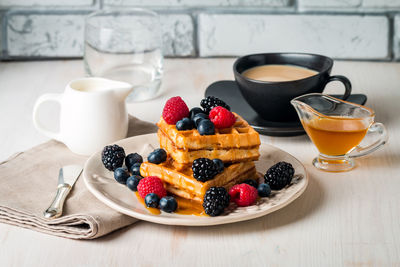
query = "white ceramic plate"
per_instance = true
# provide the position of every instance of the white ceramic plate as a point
(101, 183)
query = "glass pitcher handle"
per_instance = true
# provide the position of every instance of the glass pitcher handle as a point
(378, 133)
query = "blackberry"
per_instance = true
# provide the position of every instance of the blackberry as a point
(279, 175)
(215, 201)
(251, 182)
(204, 169)
(113, 157)
(211, 102)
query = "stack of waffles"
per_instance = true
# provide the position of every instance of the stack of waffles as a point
(237, 147)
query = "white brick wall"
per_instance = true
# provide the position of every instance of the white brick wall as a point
(345, 29)
(352, 37)
(62, 35)
(329, 3)
(178, 34)
(196, 3)
(46, 3)
(1, 35)
(396, 38)
(45, 35)
(350, 5)
(381, 3)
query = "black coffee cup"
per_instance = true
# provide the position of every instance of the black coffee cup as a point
(271, 100)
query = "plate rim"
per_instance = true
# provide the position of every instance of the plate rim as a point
(182, 221)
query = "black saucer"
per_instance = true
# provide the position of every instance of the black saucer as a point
(229, 92)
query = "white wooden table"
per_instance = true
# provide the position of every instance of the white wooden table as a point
(346, 219)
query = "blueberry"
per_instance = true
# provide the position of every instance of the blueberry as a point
(199, 117)
(135, 170)
(151, 200)
(220, 165)
(157, 156)
(206, 127)
(121, 175)
(195, 111)
(251, 182)
(184, 124)
(168, 204)
(133, 182)
(264, 190)
(132, 159)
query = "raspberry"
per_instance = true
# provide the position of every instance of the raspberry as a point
(221, 117)
(174, 110)
(151, 184)
(243, 194)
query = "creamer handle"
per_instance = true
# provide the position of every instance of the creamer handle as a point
(39, 126)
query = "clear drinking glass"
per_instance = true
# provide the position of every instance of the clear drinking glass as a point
(125, 45)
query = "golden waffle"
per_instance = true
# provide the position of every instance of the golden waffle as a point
(184, 157)
(183, 183)
(240, 135)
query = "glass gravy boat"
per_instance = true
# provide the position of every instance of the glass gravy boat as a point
(340, 130)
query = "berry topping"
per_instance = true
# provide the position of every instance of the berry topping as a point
(157, 156)
(112, 157)
(206, 127)
(168, 204)
(174, 110)
(264, 190)
(184, 124)
(219, 164)
(210, 102)
(243, 194)
(135, 169)
(215, 201)
(151, 184)
(132, 159)
(222, 118)
(121, 175)
(133, 182)
(279, 175)
(195, 111)
(204, 169)
(151, 200)
(251, 182)
(199, 117)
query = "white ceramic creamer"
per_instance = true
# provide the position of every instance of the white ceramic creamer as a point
(93, 114)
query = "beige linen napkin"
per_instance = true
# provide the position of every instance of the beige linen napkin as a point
(29, 182)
